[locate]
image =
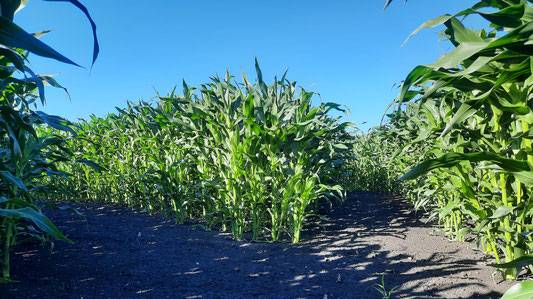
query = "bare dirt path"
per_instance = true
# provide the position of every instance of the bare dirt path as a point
(119, 253)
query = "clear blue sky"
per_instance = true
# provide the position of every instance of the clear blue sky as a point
(347, 50)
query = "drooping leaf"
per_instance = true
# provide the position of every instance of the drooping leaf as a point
(13, 36)
(518, 263)
(452, 159)
(12, 179)
(55, 122)
(37, 218)
(80, 6)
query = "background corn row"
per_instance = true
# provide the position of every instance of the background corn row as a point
(240, 157)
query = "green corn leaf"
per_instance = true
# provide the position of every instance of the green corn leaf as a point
(429, 24)
(50, 80)
(15, 181)
(80, 6)
(55, 122)
(13, 36)
(13, 57)
(508, 17)
(464, 51)
(33, 79)
(460, 34)
(525, 176)
(453, 159)
(91, 164)
(465, 111)
(521, 290)
(502, 212)
(520, 34)
(519, 263)
(37, 218)
(417, 75)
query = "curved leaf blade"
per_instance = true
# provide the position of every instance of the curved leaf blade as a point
(522, 290)
(39, 219)
(13, 36)
(80, 6)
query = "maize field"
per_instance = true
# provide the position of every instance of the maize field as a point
(258, 158)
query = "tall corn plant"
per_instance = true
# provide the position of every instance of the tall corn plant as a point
(264, 150)
(241, 157)
(472, 107)
(24, 155)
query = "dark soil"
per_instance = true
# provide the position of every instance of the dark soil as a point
(119, 253)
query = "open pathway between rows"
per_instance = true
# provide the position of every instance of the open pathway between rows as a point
(119, 253)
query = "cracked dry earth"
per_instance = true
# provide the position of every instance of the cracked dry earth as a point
(120, 253)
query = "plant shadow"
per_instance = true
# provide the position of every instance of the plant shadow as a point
(119, 253)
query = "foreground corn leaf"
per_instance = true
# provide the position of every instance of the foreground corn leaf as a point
(12, 35)
(37, 218)
(453, 159)
(80, 6)
(521, 290)
(10, 7)
(518, 263)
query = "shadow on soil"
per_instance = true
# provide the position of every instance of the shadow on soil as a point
(119, 253)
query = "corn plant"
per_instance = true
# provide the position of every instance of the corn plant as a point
(470, 112)
(238, 156)
(25, 156)
(385, 292)
(264, 139)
